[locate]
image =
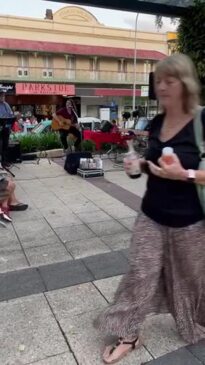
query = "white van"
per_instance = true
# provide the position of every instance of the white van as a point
(89, 123)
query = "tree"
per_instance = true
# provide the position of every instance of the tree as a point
(191, 36)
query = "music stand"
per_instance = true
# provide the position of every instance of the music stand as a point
(5, 123)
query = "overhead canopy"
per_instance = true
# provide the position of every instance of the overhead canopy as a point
(159, 7)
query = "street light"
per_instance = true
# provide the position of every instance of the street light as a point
(135, 64)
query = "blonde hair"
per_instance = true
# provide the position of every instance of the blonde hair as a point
(182, 67)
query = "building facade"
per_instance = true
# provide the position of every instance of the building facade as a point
(71, 53)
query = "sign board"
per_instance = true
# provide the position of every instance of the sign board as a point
(8, 88)
(105, 114)
(144, 91)
(44, 89)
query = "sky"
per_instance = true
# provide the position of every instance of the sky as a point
(113, 18)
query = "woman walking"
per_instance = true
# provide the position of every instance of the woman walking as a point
(167, 257)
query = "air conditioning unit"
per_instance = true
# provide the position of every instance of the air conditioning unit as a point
(22, 72)
(47, 73)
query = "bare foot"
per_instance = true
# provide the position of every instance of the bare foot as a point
(116, 352)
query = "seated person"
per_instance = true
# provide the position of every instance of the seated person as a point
(8, 200)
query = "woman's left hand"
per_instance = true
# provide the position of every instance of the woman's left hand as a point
(173, 171)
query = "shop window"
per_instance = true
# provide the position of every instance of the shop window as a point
(23, 65)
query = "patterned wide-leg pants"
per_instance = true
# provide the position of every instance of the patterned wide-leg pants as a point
(166, 274)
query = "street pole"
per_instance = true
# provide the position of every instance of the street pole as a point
(135, 64)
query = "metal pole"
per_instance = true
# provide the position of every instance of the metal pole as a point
(135, 64)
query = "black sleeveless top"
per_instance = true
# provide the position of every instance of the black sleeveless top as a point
(170, 202)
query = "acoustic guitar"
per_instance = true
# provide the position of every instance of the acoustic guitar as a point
(63, 123)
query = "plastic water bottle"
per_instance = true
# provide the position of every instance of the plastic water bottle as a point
(167, 155)
(132, 157)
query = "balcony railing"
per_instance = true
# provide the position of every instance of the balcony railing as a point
(38, 74)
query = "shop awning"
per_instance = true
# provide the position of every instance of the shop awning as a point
(159, 7)
(77, 49)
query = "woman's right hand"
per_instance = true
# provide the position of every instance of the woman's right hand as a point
(140, 163)
(130, 165)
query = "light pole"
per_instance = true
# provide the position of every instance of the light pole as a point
(135, 64)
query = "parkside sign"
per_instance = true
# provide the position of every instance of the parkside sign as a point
(44, 89)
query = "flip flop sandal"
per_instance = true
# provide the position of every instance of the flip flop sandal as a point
(134, 345)
(4, 217)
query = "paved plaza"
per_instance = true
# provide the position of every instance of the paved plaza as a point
(60, 263)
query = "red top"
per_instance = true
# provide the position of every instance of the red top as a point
(67, 114)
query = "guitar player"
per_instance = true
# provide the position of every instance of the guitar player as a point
(69, 113)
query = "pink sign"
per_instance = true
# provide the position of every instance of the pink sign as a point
(44, 89)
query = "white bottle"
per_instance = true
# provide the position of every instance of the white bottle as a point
(167, 155)
(132, 157)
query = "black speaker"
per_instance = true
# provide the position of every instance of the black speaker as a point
(152, 94)
(14, 152)
(72, 161)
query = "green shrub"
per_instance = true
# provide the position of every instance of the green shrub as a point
(106, 146)
(38, 142)
(49, 141)
(88, 145)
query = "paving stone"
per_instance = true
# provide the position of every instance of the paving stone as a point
(120, 212)
(20, 283)
(87, 342)
(30, 214)
(9, 244)
(92, 217)
(106, 265)
(7, 233)
(41, 239)
(75, 300)
(11, 259)
(128, 223)
(126, 253)
(89, 247)
(29, 331)
(63, 219)
(198, 350)
(65, 274)
(84, 207)
(27, 230)
(161, 329)
(107, 228)
(179, 357)
(74, 233)
(63, 359)
(47, 254)
(117, 241)
(108, 286)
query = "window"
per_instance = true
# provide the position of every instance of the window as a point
(122, 69)
(94, 68)
(47, 66)
(23, 65)
(71, 67)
